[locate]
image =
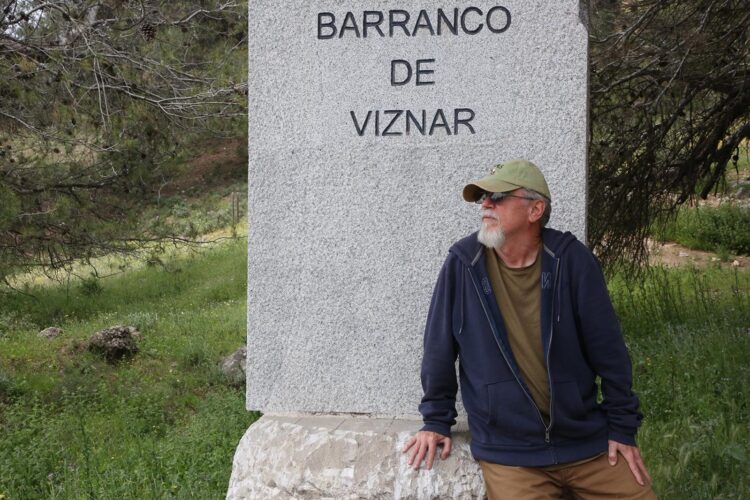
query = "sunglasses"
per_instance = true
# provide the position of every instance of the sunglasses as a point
(498, 197)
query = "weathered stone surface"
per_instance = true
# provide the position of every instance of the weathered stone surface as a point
(50, 332)
(349, 231)
(115, 343)
(345, 458)
(233, 366)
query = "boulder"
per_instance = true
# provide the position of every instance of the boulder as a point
(233, 366)
(50, 332)
(115, 343)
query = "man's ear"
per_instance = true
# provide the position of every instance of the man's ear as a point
(536, 210)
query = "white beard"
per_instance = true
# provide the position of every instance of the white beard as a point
(491, 238)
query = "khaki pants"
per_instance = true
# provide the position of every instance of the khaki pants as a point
(588, 481)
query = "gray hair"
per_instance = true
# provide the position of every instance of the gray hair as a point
(535, 195)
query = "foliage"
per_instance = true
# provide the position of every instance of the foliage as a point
(162, 425)
(670, 107)
(98, 103)
(721, 229)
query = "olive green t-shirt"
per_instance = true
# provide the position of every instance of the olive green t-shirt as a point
(519, 296)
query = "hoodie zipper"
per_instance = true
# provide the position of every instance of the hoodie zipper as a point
(507, 361)
(548, 429)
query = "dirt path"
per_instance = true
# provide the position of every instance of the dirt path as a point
(674, 254)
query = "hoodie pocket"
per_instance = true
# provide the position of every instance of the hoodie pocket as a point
(512, 416)
(572, 418)
(568, 401)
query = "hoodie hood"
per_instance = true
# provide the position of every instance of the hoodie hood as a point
(556, 242)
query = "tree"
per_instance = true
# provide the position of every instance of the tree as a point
(96, 98)
(670, 106)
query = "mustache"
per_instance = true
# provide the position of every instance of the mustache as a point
(486, 212)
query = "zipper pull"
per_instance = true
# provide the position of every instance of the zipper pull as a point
(546, 434)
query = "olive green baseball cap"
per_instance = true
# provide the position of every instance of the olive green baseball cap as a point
(508, 176)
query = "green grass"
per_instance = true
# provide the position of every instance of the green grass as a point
(163, 425)
(688, 331)
(193, 217)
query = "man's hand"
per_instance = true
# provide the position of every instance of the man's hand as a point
(632, 457)
(425, 443)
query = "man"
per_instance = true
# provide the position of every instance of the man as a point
(526, 310)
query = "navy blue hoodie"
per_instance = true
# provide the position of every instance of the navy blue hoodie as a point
(581, 340)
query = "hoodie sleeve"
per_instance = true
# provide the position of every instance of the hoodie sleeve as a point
(438, 407)
(605, 348)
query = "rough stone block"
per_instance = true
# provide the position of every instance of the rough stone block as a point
(310, 460)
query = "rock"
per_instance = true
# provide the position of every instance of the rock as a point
(736, 263)
(314, 457)
(115, 343)
(233, 366)
(50, 332)
(683, 254)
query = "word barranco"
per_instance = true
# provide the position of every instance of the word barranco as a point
(469, 21)
(395, 122)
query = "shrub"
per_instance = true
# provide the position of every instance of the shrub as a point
(719, 229)
(90, 286)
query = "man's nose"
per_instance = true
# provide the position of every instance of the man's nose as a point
(487, 202)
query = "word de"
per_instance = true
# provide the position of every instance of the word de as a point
(421, 69)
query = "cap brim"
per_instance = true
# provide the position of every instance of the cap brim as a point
(474, 190)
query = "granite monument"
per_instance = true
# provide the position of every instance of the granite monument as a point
(366, 118)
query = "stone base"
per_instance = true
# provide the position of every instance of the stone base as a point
(345, 457)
